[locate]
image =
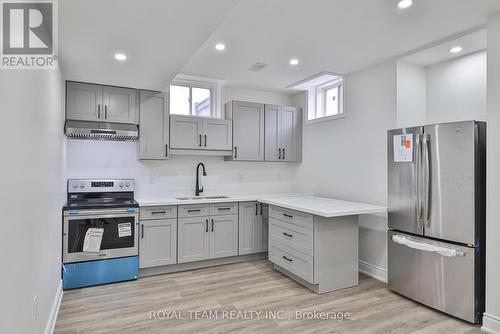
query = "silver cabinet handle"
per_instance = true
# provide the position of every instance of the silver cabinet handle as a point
(205, 140)
(105, 112)
(142, 231)
(158, 212)
(194, 210)
(206, 228)
(283, 154)
(235, 152)
(98, 111)
(279, 153)
(288, 235)
(288, 216)
(212, 225)
(223, 209)
(166, 150)
(256, 209)
(200, 140)
(289, 260)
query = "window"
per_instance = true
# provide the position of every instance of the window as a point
(187, 99)
(325, 96)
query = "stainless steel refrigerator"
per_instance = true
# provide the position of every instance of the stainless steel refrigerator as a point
(436, 199)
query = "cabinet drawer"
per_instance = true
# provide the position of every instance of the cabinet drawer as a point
(158, 212)
(291, 216)
(193, 210)
(295, 262)
(223, 209)
(293, 236)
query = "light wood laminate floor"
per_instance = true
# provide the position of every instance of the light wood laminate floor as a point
(249, 286)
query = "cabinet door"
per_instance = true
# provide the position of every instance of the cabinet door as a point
(193, 239)
(250, 228)
(223, 236)
(119, 105)
(272, 151)
(289, 133)
(158, 243)
(153, 126)
(265, 227)
(83, 101)
(248, 131)
(186, 132)
(218, 134)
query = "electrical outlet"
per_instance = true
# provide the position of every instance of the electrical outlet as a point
(34, 311)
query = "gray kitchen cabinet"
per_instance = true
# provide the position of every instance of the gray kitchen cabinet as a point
(83, 101)
(217, 134)
(200, 133)
(120, 105)
(154, 126)
(193, 239)
(90, 102)
(186, 132)
(248, 130)
(253, 227)
(283, 133)
(158, 243)
(223, 236)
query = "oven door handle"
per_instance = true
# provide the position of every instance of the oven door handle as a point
(100, 212)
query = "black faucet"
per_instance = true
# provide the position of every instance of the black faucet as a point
(198, 190)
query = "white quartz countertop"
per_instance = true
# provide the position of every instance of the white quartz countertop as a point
(325, 207)
(320, 206)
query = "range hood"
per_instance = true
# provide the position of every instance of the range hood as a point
(101, 130)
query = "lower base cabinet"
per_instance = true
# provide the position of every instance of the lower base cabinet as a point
(157, 243)
(253, 227)
(208, 237)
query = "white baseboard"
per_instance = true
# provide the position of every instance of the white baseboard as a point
(373, 271)
(54, 311)
(491, 324)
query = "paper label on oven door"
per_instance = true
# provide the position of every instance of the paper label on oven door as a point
(403, 148)
(93, 238)
(124, 230)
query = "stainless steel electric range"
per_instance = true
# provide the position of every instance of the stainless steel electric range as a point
(100, 238)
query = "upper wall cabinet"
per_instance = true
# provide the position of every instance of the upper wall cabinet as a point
(89, 102)
(154, 126)
(283, 133)
(200, 135)
(248, 130)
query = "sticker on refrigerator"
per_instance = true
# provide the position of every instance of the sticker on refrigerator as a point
(93, 239)
(124, 230)
(403, 148)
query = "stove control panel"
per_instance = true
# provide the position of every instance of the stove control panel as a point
(89, 186)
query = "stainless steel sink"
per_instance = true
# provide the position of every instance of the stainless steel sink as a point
(200, 198)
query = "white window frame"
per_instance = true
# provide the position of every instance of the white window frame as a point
(320, 102)
(337, 84)
(200, 82)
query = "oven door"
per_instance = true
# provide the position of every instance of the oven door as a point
(119, 237)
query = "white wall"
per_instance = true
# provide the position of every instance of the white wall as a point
(411, 91)
(91, 159)
(456, 89)
(32, 184)
(346, 158)
(491, 321)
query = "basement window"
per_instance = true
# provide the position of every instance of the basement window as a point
(325, 97)
(195, 96)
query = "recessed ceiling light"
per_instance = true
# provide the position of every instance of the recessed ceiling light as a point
(294, 61)
(403, 4)
(456, 49)
(220, 47)
(120, 56)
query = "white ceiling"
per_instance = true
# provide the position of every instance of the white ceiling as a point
(340, 36)
(158, 36)
(470, 43)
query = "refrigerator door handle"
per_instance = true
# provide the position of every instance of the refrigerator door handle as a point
(427, 181)
(418, 177)
(413, 244)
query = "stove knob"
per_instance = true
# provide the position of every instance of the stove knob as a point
(127, 184)
(121, 184)
(75, 185)
(82, 185)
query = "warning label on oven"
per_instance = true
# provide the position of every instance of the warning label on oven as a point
(124, 230)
